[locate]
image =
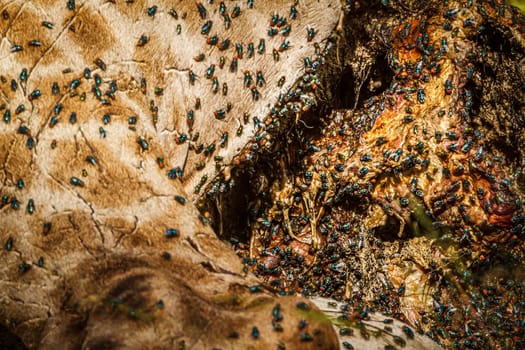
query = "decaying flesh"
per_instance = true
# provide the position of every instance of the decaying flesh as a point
(423, 171)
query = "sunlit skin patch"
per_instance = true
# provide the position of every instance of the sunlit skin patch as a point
(107, 135)
(104, 128)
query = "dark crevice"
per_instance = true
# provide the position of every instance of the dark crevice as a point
(344, 95)
(230, 211)
(499, 92)
(346, 82)
(9, 340)
(495, 40)
(193, 244)
(379, 79)
(388, 232)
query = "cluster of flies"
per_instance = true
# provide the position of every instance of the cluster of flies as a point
(335, 263)
(92, 84)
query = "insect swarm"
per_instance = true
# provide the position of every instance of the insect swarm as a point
(112, 231)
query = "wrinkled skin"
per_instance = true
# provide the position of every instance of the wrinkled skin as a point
(87, 261)
(105, 266)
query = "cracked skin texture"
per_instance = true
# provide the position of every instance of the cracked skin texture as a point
(104, 264)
